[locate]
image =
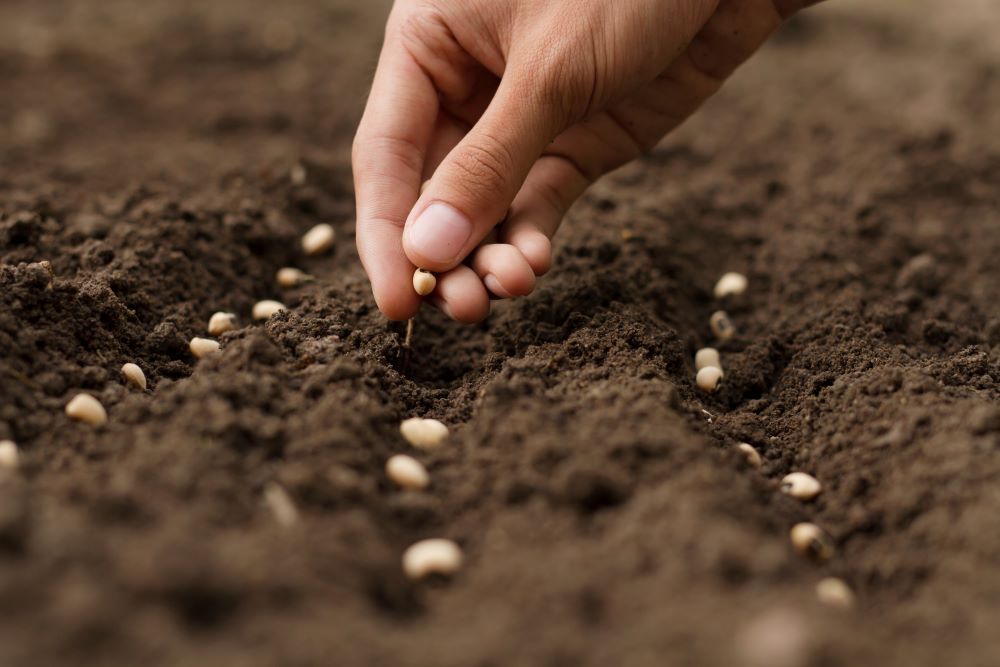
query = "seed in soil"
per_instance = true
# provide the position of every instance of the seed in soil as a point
(288, 277)
(730, 284)
(407, 472)
(708, 378)
(220, 323)
(134, 376)
(298, 174)
(318, 240)
(809, 540)
(424, 282)
(707, 356)
(751, 455)
(833, 592)
(281, 505)
(202, 347)
(433, 556)
(8, 454)
(722, 326)
(87, 409)
(801, 485)
(263, 310)
(423, 433)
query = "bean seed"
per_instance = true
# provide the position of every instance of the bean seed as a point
(263, 310)
(809, 540)
(433, 556)
(87, 409)
(407, 472)
(730, 284)
(722, 326)
(708, 378)
(9, 454)
(752, 455)
(291, 277)
(424, 282)
(220, 323)
(281, 505)
(202, 347)
(707, 356)
(833, 592)
(423, 433)
(319, 239)
(134, 376)
(800, 485)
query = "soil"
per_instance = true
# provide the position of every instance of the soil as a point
(851, 171)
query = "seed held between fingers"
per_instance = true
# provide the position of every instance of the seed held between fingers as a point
(730, 284)
(263, 310)
(707, 356)
(424, 282)
(9, 454)
(801, 485)
(722, 326)
(134, 376)
(220, 323)
(202, 347)
(433, 556)
(319, 239)
(288, 277)
(833, 592)
(809, 540)
(708, 378)
(87, 409)
(423, 433)
(407, 472)
(751, 455)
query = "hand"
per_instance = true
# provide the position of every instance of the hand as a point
(516, 106)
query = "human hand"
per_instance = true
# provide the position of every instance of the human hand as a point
(516, 106)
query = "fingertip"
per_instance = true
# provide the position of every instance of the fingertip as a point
(504, 270)
(460, 294)
(535, 247)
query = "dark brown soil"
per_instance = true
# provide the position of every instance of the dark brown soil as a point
(852, 171)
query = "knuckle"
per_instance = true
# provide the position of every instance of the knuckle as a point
(484, 167)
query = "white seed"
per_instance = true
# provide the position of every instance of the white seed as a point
(708, 378)
(423, 433)
(730, 284)
(707, 356)
(87, 409)
(407, 472)
(220, 323)
(134, 376)
(833, 592)
(434, 556)
(262, 310)
(800, 485)
(202, 347)
(319, 239)
(809, 540)
(424, 282)
(752, 455)
(281, 505)
(722, 326)
(291, 277)
(9, 454)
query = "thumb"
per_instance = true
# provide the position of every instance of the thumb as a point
(473, 187)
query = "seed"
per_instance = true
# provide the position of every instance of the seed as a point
(134, 375)
(281, 505)
(319, 239)
(87, 409)
(423, 433)
(407, 472)
(800, 485)
(722, 326)
(752, 455)
(298, 174)
(730, 284)
(424, 282)
(201, 347)
(220, 323)
(262, 310)
(833, 592)
(291, 277)
(434, 556)
(8, 454)
(809, 540)
(707, 356)
(708, 378)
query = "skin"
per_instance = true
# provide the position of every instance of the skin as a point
(515, 107)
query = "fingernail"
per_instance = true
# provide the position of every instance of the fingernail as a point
(493, 285)
(439, 233)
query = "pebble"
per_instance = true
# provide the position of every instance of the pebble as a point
(263, 310)
(9, 454)
(833, 592)
(423, 433)
(407, 472)
(722, 326)
(433, 556)
(87, 409)
(809, 540)
(220, 323)
(319, 239)
(708, 378)
(730, 284)
(801, 485)
(134, 376)
(707, 356)
(202, 347)
(751, 455)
